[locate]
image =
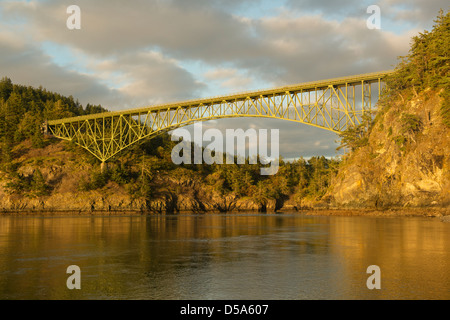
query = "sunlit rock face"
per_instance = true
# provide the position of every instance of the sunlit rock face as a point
(399, 167)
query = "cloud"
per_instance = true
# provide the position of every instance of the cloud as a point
(281, 49)
(155, 78)
(26, 64)
(112, 28)
(329, 8)
(116, 79)
(228, 78)
(415, 12)
(149, 78)
(313, 48)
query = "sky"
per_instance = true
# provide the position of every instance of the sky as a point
(136, 53)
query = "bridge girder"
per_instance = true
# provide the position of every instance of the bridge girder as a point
(333, 105)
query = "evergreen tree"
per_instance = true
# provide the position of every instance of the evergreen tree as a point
(6, 88)
(37, 139)
(427, 65)
(38, 184)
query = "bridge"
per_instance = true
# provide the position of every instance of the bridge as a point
(333, 104)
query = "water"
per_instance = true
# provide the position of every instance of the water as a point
(197, 257)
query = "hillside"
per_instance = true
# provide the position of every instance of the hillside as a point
(63, 177)
(405, 162)
(403, 159)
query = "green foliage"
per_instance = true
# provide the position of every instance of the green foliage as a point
(24, 109)
(120, 175)
(38, 185)
(427, 65)
(97, 180)
(356, 137)
(410, 123)
(6, 88)
(142, 187)
(30, 186)
(37, 140)
(445, 108)
(400, 141)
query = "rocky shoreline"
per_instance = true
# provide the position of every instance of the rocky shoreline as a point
(442, 213)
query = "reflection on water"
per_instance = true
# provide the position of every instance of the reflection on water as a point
(223, 257)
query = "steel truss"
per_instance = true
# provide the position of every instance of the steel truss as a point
(333, 105)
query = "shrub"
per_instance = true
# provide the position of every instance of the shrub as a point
(411, 123)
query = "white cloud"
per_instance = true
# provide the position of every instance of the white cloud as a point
(229, 78)
(221, 73)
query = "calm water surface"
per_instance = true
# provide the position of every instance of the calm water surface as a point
(283, 256)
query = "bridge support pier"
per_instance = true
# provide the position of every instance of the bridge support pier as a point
(103, 167)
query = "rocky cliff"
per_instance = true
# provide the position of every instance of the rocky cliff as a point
(405, 162)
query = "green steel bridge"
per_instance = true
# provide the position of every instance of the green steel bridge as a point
(333, 104)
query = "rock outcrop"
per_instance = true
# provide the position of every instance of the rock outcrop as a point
(405, 162)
